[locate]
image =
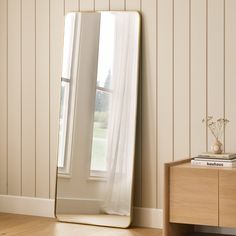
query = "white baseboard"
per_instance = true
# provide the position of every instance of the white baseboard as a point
(143, 217)
(27, 205)
(148, 217)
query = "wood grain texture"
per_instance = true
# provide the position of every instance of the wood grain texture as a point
(181, 79)
(42, 99)
(198, 76)
(14, 97)
(28, 98)
(166, 205)
(186, 204)
(172, 229)
(165, 85)
(230, 72)
(215, 46)
(3, 97)
(28, 225)
(149, 96)
(227, 198)
(56, 43)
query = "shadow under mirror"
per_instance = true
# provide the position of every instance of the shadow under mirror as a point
(99, 89)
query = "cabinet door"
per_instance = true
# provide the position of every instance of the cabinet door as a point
(194, 195)
(227, 198)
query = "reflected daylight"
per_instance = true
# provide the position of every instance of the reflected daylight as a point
(99, 89)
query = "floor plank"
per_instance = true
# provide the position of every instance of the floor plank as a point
(21, 225)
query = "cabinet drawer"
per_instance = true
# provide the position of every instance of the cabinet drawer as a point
(227, 198)
(194, 195)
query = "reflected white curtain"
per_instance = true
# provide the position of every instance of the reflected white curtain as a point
(122, 116)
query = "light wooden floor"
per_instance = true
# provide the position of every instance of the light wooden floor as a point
(38, 226)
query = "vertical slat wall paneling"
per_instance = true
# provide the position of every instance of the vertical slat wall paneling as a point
(149, 78)
(198, 76)
(215, 61)
(117, 5)
(56, 47)
(101, 5)
(230, 69)
(164, 92)
(3, 97)
(134, 5)
(86, 5)
(28, 98)
(71, 6)
(14, 97)
(42, 99)
(181, 79)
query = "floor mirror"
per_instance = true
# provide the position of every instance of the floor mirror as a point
(99, 89)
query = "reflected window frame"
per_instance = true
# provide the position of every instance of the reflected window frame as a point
(99, 174)
(64, 142)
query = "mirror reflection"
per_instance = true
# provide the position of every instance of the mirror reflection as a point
(99, 87)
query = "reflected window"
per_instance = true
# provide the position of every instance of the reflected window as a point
(103, 96)
(63, 155)
(65, 91)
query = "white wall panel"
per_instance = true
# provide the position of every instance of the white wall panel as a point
(28, 98)
(149, 96)
(71, 5)
(42, 99)
(198, 76)
(56, 46)
(181, 79)
(87, 5)
(133, 5)
(164, 92)
(215, 44)
(230, 74)
(14, 97)
(3, 97)
(102, 5)
(117, 4)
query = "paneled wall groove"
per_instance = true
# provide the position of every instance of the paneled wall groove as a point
(190, 75)
(224, 73)
(188, 72)
(157, 121)
(206, 73)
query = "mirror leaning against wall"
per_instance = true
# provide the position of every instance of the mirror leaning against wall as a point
(99, 89)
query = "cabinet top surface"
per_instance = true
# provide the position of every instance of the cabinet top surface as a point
(187, 164)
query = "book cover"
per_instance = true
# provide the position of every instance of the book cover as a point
(218, 156)
(215, 159)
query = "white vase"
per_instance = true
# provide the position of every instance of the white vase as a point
(217, 147)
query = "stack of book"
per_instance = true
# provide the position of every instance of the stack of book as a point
(215, 160)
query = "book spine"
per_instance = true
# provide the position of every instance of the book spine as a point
(214, 160)
(211, 163)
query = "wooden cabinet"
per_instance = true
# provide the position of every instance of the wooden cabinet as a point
(227, 198)
(194, 196)
(198, 196)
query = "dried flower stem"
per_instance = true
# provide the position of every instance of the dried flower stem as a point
(216, 127)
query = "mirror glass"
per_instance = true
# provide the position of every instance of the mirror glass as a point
(99, 88)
